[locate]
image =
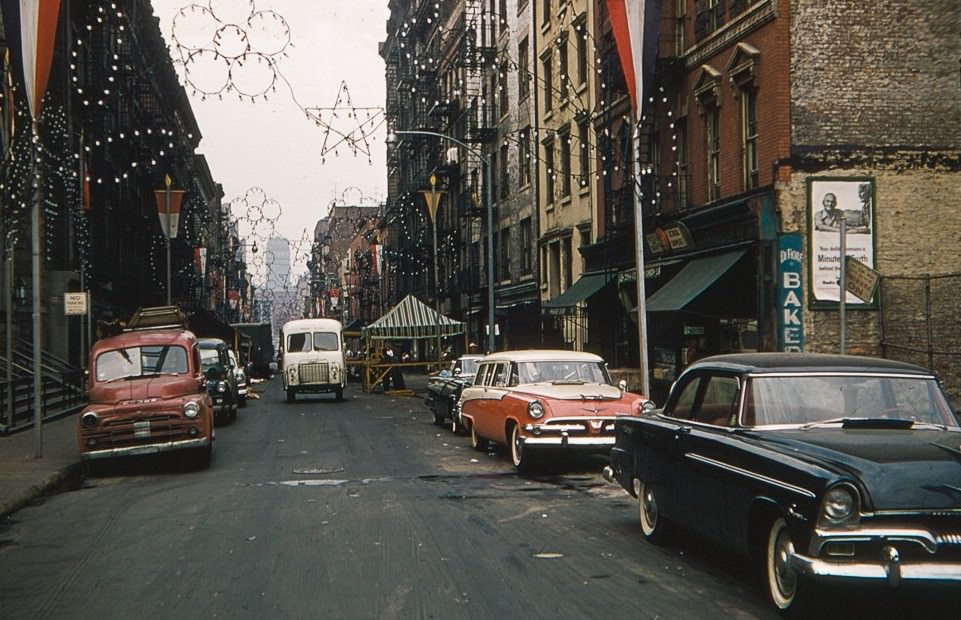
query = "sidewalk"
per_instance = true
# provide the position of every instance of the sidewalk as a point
(23, 476)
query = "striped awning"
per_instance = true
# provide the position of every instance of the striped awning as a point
(412, 318)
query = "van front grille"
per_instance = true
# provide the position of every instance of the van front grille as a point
(314, 373)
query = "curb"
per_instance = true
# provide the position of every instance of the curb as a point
(29, 495)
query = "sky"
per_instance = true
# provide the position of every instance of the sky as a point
(285, 159)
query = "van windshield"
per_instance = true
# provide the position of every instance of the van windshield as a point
(316, 341)
(138, 361)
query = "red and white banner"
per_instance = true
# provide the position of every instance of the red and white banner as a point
(31, 29)
(169, 214)
(635, 24)
(200, 260)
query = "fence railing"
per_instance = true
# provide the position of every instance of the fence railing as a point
(61, 390)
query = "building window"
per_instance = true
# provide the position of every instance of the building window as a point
(565, 172)
(549, 171)
(712, 130)
(567, 273)
(715, 14)
(505, 257)
(504, 179)
(503, 89)
(581, 29)
(683, 164)
(742, 68)
(502, 14)
(546, 8)
(680, 27)
(584, 161)
(548, 70)
(524, 157)
(749, 136)
(527, 240)
(554, 270)
(494, 177)
(523, 70)
(565, 78)
(585, 241)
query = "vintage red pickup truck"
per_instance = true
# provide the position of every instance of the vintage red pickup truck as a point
(147, 392)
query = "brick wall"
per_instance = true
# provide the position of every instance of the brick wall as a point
(876, 73)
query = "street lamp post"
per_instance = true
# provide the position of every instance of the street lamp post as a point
(433, 217)
(489, 193)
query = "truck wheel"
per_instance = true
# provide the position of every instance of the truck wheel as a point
(339, 395)
(291, 395)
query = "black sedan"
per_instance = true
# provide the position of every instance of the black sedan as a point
(823, 467)
(444, 388)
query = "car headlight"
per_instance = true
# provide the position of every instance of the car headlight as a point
(840, 504)
(221, 386)
(191, 409)
(89, 419)
(535, 409)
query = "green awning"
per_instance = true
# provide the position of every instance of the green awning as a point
(586, 285)
(691, 281)
(411, 319)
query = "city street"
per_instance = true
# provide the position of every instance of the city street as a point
(363, 509)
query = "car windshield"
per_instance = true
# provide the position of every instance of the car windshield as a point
(132, 362)
(467, 366)
(836, 398)
(560, 371)
(208, 358)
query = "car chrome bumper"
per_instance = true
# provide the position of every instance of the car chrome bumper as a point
(564, 441)
(888, 568)
(152, 448)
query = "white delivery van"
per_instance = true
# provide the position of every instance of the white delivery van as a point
(312, 357)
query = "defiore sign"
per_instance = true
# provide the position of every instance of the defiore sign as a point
(74, 304)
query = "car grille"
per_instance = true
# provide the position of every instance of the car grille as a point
(314, 373)
(140, 431)
(578, 426)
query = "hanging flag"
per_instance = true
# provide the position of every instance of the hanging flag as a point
(635, 24)
(31, 29)
(432, 198)
(84, 178)
(169, 220)
(200, 261)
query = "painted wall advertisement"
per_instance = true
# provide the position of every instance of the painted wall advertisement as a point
(831, 200)
(790, 293)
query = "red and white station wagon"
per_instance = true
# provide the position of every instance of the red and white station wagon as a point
(540, 400)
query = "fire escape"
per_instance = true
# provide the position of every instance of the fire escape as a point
(441, 71)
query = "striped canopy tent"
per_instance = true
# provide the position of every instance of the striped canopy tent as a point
(412, 318)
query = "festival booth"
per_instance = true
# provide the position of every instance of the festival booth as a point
(411, 319)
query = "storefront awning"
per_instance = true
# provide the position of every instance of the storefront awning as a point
(586, 285)
(691, 281)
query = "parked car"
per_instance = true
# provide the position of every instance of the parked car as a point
(147, 392)
(444, 389)
(221, 382)
(240, 377)
(822, 467)
(544, 400)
